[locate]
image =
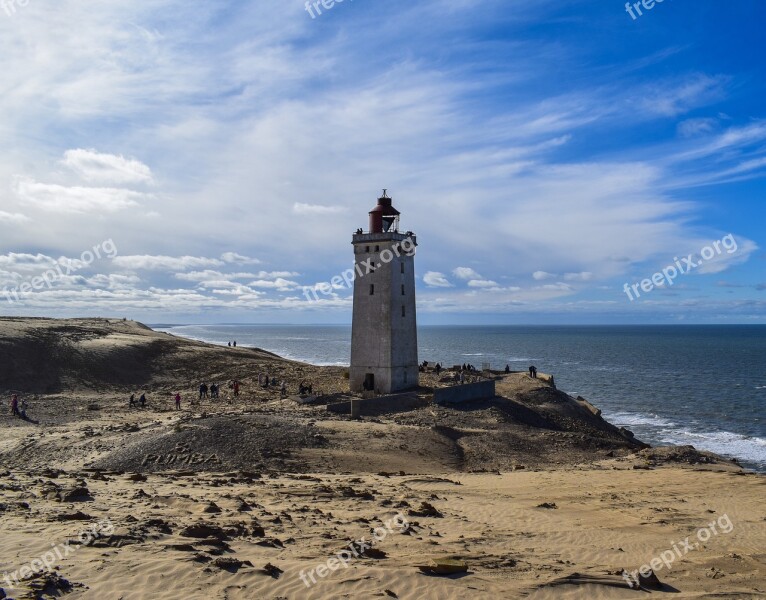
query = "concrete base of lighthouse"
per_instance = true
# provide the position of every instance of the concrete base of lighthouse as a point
(383, 380)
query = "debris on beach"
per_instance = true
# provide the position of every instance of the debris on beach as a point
(444, 566)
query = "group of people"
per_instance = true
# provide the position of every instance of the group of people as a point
(19, 407)
(213, 390)
(266, 382)
(437, 368)
(205, 391)
(234, 343)
(136, 403)
(459, 376)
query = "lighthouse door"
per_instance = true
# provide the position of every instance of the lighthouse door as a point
(369, 382)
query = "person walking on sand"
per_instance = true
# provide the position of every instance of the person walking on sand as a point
(178, 401)
(283, 390)
(23, 409)
(142, 400)
(132, 401)
(236, 383)
(15, 405)
(507, 368)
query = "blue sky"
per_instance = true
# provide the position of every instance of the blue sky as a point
(546, 153)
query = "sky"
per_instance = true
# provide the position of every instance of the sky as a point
(208, 162)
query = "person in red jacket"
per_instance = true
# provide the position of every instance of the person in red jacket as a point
(15, 406)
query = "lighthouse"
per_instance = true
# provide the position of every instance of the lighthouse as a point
(384, 338)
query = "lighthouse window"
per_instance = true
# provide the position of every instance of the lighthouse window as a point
(372, 289)
(402, 289)
(367, 249)
(377, 248)
(402, 309)
(401, 265)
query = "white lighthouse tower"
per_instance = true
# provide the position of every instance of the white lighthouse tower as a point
(384, 339)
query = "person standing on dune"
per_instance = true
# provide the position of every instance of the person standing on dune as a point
(15, 405)
(178, 401)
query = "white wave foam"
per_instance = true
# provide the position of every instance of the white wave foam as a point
(750, 449)
(744, 448)
(627, 419)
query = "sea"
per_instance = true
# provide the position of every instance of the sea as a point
(671, 385)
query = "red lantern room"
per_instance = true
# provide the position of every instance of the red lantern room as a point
(384, 217)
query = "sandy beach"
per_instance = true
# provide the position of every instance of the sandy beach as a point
(528, 495)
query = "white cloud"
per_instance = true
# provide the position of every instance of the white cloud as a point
(264, 279)
(277, 284)
(436, 279)
(114, 281)
(557, 287)
(6, 217)
(482, 283)
(238, 259)
(23, 261)
(694, 127)
(673, 97)
(164, 263)
(542, 275)
(466, 273)
(210, 275)
(77, 199)
(93, 166)
(301, 208)
(583, 276)
(275, 274)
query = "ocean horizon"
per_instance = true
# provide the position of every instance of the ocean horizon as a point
(700, 385)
